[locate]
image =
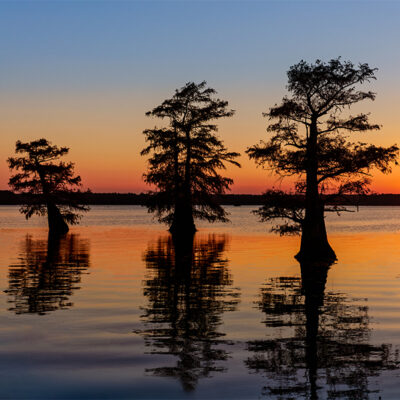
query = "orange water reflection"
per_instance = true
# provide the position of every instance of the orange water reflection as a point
(318, 343)
(46, 274)
(140, 318)
(189, 287)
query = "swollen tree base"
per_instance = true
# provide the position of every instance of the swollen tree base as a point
(314, 239)
(57, 225)
(183, 222)
(315, 247)
(318, 251)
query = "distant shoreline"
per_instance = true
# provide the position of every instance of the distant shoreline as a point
(9, 198)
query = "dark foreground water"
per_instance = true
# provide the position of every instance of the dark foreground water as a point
(111, 311)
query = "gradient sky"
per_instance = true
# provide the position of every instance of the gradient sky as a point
(83, 73)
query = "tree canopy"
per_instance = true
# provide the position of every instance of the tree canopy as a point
(186, 156)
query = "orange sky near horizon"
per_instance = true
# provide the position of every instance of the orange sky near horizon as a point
(104, 134)
(83, 74)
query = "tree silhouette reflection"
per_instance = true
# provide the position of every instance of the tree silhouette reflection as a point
(47, 274)
(188, 287)
(319, 346)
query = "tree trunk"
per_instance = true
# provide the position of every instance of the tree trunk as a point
(314, 240)
(57, 225)
(183, 222)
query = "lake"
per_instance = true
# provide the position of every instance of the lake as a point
(112, 311)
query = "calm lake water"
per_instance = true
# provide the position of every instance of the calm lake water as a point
(111, 312)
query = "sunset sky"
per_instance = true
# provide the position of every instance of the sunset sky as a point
(83, 74)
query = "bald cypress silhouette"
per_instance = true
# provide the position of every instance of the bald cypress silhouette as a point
(186, 157)
(309, 141)
(46, 183)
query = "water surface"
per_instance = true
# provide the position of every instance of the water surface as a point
(117, 310)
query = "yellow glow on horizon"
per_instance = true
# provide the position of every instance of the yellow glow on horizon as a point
(105, 137)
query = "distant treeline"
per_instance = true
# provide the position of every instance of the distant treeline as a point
(9, 198)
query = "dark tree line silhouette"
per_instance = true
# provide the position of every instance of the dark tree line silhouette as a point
(308, 140)
(325, 344)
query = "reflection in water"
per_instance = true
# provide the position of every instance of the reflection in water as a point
(188, 286)
(320, 341)
(47, 273)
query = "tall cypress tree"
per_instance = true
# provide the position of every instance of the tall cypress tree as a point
(309, 140)
(186, 156)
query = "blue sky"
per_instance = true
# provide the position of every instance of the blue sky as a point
(116, 44)
(88, 70)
